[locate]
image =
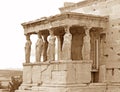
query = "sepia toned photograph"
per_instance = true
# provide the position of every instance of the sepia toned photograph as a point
(60, 46)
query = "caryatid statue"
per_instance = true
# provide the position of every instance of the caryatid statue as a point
(39, 48)
(51, 46)
(28, 49)
(45, 45)
(86, 45)
(66, 48)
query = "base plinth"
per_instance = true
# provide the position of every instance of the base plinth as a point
(59, 76)
(93, 87)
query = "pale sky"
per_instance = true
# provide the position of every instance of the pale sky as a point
(12, 14)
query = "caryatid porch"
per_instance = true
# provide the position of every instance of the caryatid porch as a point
(70, 46)
(81, 29)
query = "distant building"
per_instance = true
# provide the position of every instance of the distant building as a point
(80, 49)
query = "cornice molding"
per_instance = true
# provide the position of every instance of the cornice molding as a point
(62, 16)
(65, 19)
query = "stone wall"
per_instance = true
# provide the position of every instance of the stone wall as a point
(111, 53)
(56, 73)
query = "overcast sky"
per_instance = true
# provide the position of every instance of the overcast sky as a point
(12, 14)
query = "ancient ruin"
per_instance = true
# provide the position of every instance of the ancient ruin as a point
(76, 51)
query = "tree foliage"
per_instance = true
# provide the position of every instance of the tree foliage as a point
(14, 84)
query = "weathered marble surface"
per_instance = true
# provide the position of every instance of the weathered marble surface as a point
(51, 46)
(27, 74)
(39, 48)
(27, 49)
(66, 48)
(86, 45)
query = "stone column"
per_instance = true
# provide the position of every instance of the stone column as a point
(67, 41)
(39, 47)
(45, 45)
(51, 46)
(97, 53)
(28, 48)
(58, 48)
(86, 44)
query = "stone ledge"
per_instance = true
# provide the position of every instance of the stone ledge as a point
(114, 84)
(92, 87)
(64, 85)
(37, 84)
(58, 62)
(31, 64)
(97, 84)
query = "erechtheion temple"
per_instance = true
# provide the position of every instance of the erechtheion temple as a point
(77, 50)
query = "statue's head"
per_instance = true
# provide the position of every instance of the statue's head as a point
(67, 29)
(28, 37)
(51, 32)
(86, 30)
